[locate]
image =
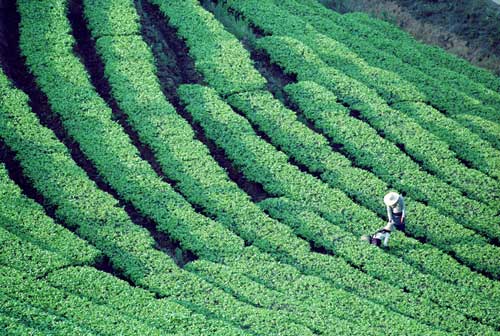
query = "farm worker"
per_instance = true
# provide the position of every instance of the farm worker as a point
(395, 209)
(380, 237)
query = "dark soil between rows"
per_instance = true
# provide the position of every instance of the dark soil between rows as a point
(175, 67)
(85, 49)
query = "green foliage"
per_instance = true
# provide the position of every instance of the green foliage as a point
(313, 151)
(104, 289)
(41, 322)
(130, 248)
(220, 57)
(278, 285)
(435, 54)
(283, 49)
(98, 318)
(344, 79)
(112, 18)
(27, 257)
(466, 144)
(220, 125)
(27, 220)
(187, 172)
(450, 91)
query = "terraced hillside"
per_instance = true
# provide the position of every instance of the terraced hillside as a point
(207, 168)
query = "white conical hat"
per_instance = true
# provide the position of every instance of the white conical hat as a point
(391, 198)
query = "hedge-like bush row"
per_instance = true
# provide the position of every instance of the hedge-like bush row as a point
(94, 214)
(486, 129)
(336, 240)
(278, 21)
(284, 51)
(468, 145)
(271, 168)
(442, 87)
(228, 67)
(290, 294)
(183, 159)
(311, 313)
(27, 257)
(320, 106)
(434, 154)
(439, 57)
(43, 321)
(99, 318)
(81, 205)
(88, 120)
(329, 50)
(111, 18)
(319, 315)
(313, 151)
(14, 326)
(415, 55)
(316, 295)
(27, 219)
(104, 289)
(152, 268)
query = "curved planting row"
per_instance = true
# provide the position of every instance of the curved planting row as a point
(313, 151)
(100, 319)
(21, 318)
(259, 327)
(486, 129)
(28, 256)
(320, 106)
(217, 54)
(186, 36)
(104, 289)
(260, 162)
(468, 146)
(284, 51)
(444, 94)
(196, 177)
(409, 52)
(397, 127)
(211, 243)
(130, 248)
(451, 101)
(465, 273)
(23, 219)
(226, 69)
(438, 56)
(88, 120)
(97, 286)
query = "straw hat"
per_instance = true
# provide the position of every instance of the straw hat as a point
(391, 198)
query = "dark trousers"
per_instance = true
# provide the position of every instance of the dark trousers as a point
(397, 221)
(375, 241)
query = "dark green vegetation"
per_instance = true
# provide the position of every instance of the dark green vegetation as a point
(177, 167)
(468, 28)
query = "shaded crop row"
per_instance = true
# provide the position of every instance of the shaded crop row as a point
(313, 151)
(81, 205)
(278, 177)
(196, 173)
(426, 148)
(389, 164)
(23, 219)
(435, 54)
(430, 80)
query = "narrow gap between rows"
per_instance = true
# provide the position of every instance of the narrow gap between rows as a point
(275, 86)
(175, 67)
(85, 49)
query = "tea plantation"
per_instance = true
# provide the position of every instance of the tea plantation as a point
(184, 167)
